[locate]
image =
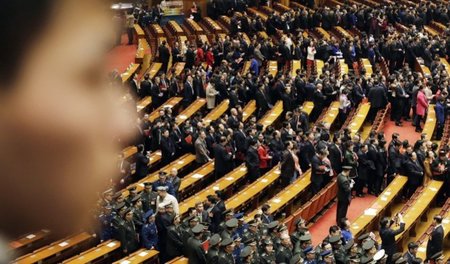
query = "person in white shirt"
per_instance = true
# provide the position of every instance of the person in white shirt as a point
(166, 199)
(311, 52)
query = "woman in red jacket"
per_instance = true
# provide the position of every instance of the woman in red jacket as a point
(200, 55)
(264, 157)
(209, 57)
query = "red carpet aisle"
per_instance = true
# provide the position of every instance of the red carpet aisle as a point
(121, 56)
(319, 230)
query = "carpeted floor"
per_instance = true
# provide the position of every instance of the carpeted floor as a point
(121, 56)
(319, 230)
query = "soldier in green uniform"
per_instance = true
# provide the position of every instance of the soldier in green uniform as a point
(230, 227)
(304, 242)
(117, 219)
(300, 230)
(213, 250)
(284, 251)
(132, 193)
(268, 254)
(138, 213)
(251, 232)
(246, 255)
(338, 250)
(127, 233)
(226, 251)
(194, 249)
(148, 197)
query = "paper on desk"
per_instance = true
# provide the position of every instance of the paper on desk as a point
(63, 244)
(31, 236)
(125, 262)
(215, 188)
(370, 211)
(197, 176)
(383, 198)
(277, 200)
(264, 180)
(387, 193)
(111, 244)
(143, 254)
(433, 189)
(229, 178)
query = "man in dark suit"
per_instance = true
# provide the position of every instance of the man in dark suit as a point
(335, 154)
(344, 195)
(411, 254)
(167, 148)
(164, 56)
(319, 169)
(127, 233)
(414, 171)
(223, 159)
(388, 235)
(141, 163)
(189, 94)
(436, 240)
(287, 165)
(194, 248)
(378, 100)
(252, 161)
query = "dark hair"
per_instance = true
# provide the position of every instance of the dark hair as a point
(21, 22)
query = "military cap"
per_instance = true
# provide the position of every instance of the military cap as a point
(365, 260)
(250, 241)
(161, 188)
(298, 221)
(355, 259)
(347, 167)
(108, 207)
(396, 256)
(129, 209)
(268, 242)
(281, 228)
(237, 238)
(239, 216)
(117, 195)
(198, 229)
(438, 256)
(438, 217)
(132, 188)
(326, 253)
(168, 205)
(401, 260)
(226, 242)
(135, 198)
(247, 251)
(119, 206)
(305, 237)
(272, 224)
(309, 250)
(148, 214)
(227, 212)
(412, 245)
(215, 240)
(296, 259)
(379, 255)
(334, 239)
(364, 236)
(252, 223)
(162, 173)
(147, 184)
(367, 245)
(349, 244)
(192, 218)
(232, 223)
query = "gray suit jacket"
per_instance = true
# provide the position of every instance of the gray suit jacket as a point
(201, 151)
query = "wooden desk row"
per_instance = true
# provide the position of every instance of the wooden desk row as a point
(248, 110)
(285, 196)
(178, 67)
(430, 123)
(343, 68)
(194, 26)
(307, 107)
(245, 68)
(255, 13)
(272, 115)
(157, 31)
(367, 66)
(143, 48)
(154, 69)
(359, 118)
(226, 21)
(101, 251)
(419, 208)
(171, 103)
(139, 32)
(57, 251)
(268, 10)
(141, 256)
(319, 67)
(272, 68)
(143, 103)
(175, 29)
(179, 260)
(190, 111)
(344, 33)
(323, 33)
(192, 180)
(254, 190)
(446, 65)
(280, 7)
(371, 215)
(331, 114)
(217, 112)
(132, 69)
(223, 183)
(178, 164)
(295, 65)
(431, 31)
(29, 242)
(213, 26)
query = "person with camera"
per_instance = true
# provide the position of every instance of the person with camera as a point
(387, 234)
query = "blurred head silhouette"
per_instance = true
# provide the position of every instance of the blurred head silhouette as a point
(59, 117)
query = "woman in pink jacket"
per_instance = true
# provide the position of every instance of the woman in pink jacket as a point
(421, 108)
